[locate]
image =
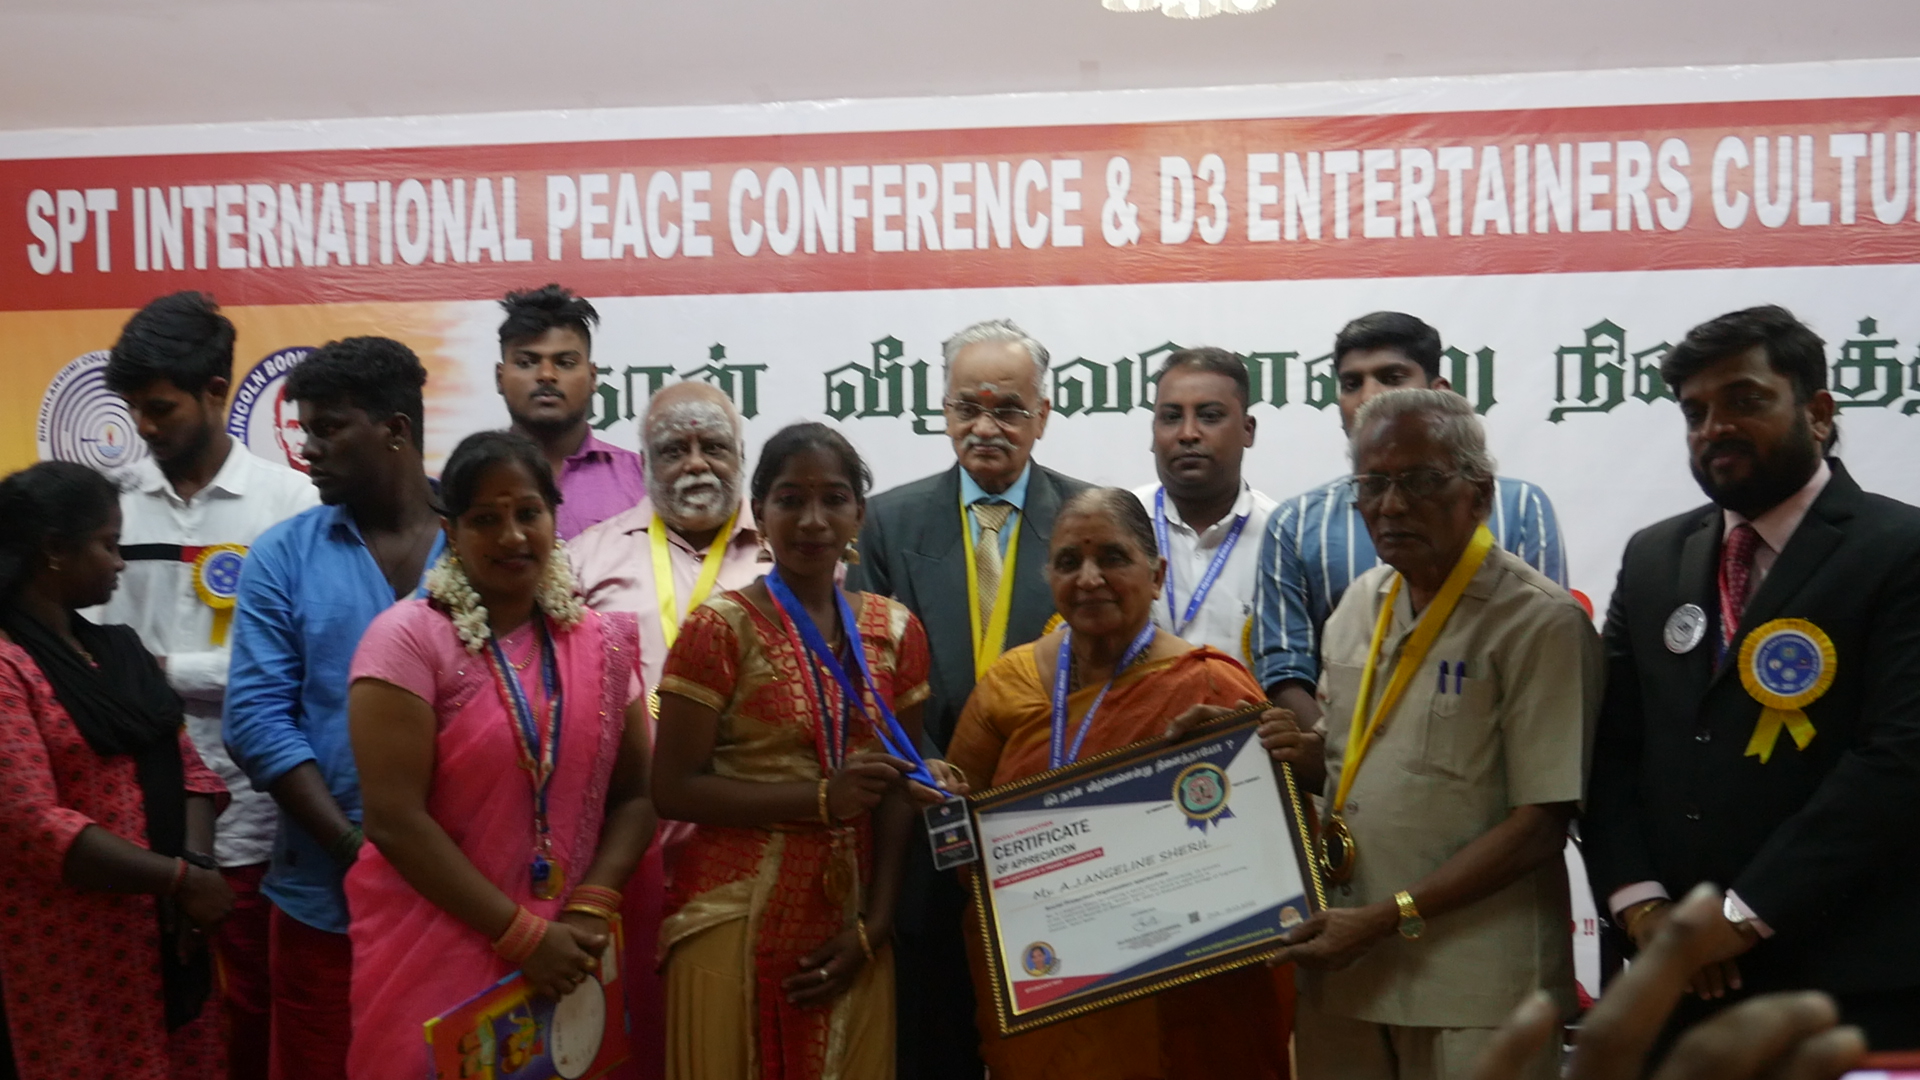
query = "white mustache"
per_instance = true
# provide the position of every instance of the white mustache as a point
(988, 442)
(688, 485)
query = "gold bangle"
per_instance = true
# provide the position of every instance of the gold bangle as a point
(866, 946)
(826, 815)
(1631, 918)
(582, 907)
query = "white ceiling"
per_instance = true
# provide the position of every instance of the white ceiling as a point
(69, 63)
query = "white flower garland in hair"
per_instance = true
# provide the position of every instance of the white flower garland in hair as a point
(556, 594)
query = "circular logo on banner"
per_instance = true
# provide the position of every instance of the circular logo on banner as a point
(1039, 959)
(83, 421)
(262, 417)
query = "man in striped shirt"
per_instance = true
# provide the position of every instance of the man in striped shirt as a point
(1316, 543)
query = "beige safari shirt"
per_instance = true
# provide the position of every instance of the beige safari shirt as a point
(1514, 728)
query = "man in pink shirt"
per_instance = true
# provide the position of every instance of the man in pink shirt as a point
(694, 525)
(546, 377)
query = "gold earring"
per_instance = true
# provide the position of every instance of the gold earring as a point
(852, 555)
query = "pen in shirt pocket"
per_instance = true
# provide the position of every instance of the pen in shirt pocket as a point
(1442, 688)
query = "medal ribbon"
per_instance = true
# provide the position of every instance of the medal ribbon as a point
(1214, 569)
(1059, 753)
(892, 736)
(670, 613)
(1425, 631)
(988, 646)
(539, 750)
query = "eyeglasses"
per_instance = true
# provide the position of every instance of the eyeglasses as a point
(1370, 488)
(966, 412)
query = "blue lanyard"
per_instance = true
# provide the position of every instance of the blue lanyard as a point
(541, 756)
(1214, 569)
(892, 735)
(1060, 754)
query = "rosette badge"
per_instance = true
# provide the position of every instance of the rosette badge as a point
(1786, 665)
(216, 580)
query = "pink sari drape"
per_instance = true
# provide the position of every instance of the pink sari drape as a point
(411, 960)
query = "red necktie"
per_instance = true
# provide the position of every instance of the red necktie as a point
(1736, 579)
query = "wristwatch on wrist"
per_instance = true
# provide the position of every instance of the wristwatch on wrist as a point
(200, 859)
(1411, 924)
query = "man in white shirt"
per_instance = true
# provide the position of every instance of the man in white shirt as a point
(189, 512)
(1208, 520)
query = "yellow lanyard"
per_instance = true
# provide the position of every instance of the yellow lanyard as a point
(670, 613)
(1432, 621)
(988, 646)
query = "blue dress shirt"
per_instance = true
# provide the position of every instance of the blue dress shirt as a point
(308, 591)
(1317, 543)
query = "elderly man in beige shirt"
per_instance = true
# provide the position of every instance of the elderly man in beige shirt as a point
(1460, 688)
(694, 525)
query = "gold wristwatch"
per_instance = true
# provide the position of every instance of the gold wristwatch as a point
(1411, 924)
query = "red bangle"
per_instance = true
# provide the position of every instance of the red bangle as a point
(596, 895)
(179, 875)
(522, 937)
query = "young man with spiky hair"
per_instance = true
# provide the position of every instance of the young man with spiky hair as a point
(546, 378)
(307, 594)
(190, 512)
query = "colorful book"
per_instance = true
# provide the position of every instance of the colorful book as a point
(507, 1032)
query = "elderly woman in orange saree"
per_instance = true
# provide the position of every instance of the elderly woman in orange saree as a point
(1127, 680)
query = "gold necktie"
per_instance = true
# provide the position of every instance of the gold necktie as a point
(988, 520)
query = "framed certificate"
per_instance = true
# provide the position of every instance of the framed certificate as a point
(1145, 868)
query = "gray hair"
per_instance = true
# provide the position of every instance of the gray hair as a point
(997, 330)
(1451, 421)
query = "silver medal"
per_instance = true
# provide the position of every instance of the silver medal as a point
(1686, 628)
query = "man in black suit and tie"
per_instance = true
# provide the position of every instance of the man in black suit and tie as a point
(1761, 727)
(966, 551)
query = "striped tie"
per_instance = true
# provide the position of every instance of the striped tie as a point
(988, 519)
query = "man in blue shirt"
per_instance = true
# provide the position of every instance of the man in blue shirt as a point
(310, 587)
(1316, 543)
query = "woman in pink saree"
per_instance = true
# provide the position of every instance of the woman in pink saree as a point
(500, 733)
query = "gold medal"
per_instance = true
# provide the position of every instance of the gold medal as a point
(837, 877)
(1337, 850)
(548, 879)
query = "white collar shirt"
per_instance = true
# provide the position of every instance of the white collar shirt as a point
(160, 535)
(1226, 611)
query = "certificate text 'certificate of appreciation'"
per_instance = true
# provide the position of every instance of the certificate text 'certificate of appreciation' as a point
(1145, 868)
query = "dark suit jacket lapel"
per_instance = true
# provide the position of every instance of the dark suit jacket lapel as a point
(1032, 599)
(1820, 532)
(1698, 583)
(937, 538)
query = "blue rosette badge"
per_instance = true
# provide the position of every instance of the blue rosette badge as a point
(1786, 665)
(216, 580)
(1201, 791)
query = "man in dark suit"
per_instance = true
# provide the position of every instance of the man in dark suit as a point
(966, 551)
(1761, 727)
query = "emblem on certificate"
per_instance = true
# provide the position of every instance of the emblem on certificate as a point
(1785, 665)
(1141, 869)
(216, 581)
(1685, 629)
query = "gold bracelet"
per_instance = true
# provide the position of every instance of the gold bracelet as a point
(582, 907)
(826, 815)
(866, 946)
(1631, 918)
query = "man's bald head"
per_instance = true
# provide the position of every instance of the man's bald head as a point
(694, 456)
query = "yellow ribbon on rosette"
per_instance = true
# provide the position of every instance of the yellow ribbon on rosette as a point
(1786, 665)
(216, 581)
